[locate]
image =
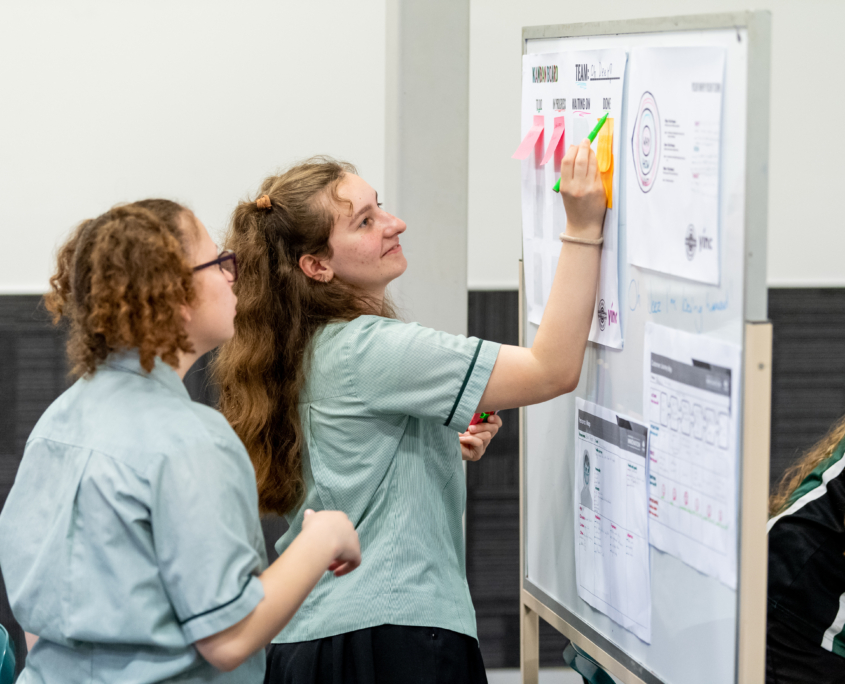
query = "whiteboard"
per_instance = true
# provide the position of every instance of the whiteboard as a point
(694, 617)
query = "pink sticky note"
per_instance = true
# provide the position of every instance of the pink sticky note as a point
(530, 139)
(557, 137)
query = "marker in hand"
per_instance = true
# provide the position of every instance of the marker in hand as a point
(481, 417)
(592, 137)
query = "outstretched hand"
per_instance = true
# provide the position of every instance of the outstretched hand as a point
(582, 191)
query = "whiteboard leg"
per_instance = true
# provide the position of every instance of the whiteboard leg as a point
(529, 646)
(754, 554)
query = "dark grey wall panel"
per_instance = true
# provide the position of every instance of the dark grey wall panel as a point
(32, 374)
(808, 389)
(493, 512)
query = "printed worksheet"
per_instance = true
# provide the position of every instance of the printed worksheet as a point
(691, 400)
(563, 97)
(611, 516)
(675, 123)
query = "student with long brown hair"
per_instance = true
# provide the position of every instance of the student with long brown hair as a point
(130, 542)
(806, 618)
(342, 406)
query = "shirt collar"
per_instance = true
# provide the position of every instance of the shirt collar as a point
(130, 361)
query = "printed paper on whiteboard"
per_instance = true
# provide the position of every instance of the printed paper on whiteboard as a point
(674, 137)
(611, 516)
(579, 87)
(691, 398)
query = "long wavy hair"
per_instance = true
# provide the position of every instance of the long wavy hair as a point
(809, 461)
(262, 370)
(120, 282)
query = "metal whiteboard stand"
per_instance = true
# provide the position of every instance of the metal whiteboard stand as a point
(756, 390)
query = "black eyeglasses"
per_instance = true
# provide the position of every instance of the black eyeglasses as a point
(227, 262)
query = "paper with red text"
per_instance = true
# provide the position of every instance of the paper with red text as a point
(675, 136)
(691, 395)
(611, 516)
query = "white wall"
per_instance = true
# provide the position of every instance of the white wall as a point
(426, 164)
(806, 236)
(105, 102)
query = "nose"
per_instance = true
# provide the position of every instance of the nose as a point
(395, 226)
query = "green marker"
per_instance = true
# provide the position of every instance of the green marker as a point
(592, 137)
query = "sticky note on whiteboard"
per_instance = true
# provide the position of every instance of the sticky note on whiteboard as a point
(557, 137)
(530, 139)
(604, 156)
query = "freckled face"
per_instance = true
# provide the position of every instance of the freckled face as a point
(365, 242)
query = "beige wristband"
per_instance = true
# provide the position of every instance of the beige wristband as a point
(581, 241)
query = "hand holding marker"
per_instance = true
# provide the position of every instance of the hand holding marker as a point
(481, 417)
(592, 137)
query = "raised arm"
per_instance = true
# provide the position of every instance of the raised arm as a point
(553, 365)
(327, 541)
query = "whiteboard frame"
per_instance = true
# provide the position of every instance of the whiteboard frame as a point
(756, 389)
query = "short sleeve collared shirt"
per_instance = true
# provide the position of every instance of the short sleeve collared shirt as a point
(131, 532)
(381, 410)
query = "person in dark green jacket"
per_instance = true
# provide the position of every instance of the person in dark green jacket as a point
(806, 618)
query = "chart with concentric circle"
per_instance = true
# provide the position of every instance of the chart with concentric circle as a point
(645, 142)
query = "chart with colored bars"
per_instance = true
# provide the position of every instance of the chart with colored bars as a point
(692, 459)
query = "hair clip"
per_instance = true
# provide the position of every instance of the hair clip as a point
(263, 202)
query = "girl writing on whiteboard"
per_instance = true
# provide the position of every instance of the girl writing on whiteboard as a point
(806, 617)
(130, 542)
(341, 405)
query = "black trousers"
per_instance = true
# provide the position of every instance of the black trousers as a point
(791, 658)
(388, 654)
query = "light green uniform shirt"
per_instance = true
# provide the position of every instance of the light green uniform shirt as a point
(381, 411)
(131, 532)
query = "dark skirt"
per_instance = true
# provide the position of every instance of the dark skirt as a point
(388, 654)
(792, 658)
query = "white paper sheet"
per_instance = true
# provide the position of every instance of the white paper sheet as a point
(691, 399)
(674, 132)
(611, 516)
(584, 86)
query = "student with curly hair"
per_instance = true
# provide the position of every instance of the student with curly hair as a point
(806, 618)
(130, 542)
(342, 406)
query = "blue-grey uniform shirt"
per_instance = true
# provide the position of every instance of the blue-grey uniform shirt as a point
(381, 411)
(131, 532)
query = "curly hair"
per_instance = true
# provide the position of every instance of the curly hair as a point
(120, 281)
(262, 370)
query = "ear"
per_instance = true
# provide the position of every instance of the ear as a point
(185, 311)
(316, 268)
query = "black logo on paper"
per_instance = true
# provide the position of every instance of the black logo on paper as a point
(602, 314)
(690, 242)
